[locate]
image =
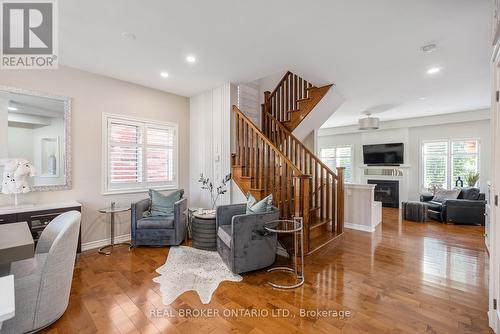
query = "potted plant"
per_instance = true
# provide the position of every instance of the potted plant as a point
(207, 185)
(471, 178)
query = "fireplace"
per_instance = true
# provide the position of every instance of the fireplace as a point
(386, 192)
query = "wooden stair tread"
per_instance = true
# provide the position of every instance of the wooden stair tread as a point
(316, 222)
(303, 99)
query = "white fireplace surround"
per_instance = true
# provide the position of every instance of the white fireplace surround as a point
(390, 173)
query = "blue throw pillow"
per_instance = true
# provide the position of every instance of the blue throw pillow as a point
(163, 205)
(265, 205)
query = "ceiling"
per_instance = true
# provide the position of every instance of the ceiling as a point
(369, 49)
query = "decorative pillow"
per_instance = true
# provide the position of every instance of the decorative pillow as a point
(162, 205)
(442, 195)
(469, 193)
(265, 205)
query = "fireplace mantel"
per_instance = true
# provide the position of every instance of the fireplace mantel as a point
(388, 173)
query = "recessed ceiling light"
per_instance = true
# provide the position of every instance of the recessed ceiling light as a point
(191, 59)
(429, 48)
(423, 98)
(12, 108)
(433, 70)
(164, 74)
(129, 36)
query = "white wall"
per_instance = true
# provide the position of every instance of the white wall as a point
(91, 96)
(20, 141)
(4, 114)
(412, 136)
(210, 142)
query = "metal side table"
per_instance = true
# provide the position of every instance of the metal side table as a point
(112, 210)
(295, 227)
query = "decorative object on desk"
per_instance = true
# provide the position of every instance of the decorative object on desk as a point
(471, 178)
(190, 269)
(206, 184)
(459, 183)
(15, 177)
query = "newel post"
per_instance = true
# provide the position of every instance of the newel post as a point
(302, 193)
(265, 109)
(340, 199)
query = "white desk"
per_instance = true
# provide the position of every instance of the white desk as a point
(7, 302)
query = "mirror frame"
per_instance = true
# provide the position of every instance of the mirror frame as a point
(67, 136)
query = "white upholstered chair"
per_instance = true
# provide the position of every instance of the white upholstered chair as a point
(43, 283)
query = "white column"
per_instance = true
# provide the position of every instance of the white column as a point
(4, 125)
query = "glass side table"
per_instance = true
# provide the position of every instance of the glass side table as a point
(295, 227)
(112, 211)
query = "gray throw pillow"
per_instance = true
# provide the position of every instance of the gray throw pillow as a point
(163, 205)
(265, 205)
(442, 195)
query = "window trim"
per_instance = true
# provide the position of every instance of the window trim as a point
(449, 158)
(353, 170)
(105, 190)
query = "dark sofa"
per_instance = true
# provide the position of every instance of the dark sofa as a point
(468, 208)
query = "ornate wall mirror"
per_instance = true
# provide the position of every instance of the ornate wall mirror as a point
(37, 127)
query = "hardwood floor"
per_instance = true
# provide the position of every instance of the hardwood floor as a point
(405, 278)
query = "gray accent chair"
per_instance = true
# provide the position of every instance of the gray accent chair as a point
(43, 283)
(242, 242)
(158, 230)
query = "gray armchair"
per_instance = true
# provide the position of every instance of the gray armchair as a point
(158, 230)
(43, 283)
(242, 242)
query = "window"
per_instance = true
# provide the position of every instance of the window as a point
(340, 156)
(138, 155)
(444, 161)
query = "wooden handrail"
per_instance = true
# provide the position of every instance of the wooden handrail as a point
(295, 139)
(265, 139)
(286, 96)
(261, 168)
(279, 83)
(327, 193)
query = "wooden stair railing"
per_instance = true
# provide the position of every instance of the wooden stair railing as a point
(327, 195)
(292, 100)
(259, 167)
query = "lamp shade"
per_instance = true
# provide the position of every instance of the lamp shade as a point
(368, 123)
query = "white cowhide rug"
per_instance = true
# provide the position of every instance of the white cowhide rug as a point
(188, 269)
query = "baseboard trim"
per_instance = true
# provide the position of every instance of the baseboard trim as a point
(100, 243)
(359, 227)
(494, 320)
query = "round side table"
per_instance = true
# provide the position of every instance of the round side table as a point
(112, 211)
(295, 227)
(203, 231)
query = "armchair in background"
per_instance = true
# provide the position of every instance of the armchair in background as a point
(169, 230)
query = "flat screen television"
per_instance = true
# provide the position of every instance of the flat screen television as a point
(383, 154)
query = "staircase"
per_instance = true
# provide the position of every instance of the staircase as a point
(273, 160)
(293, 99)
